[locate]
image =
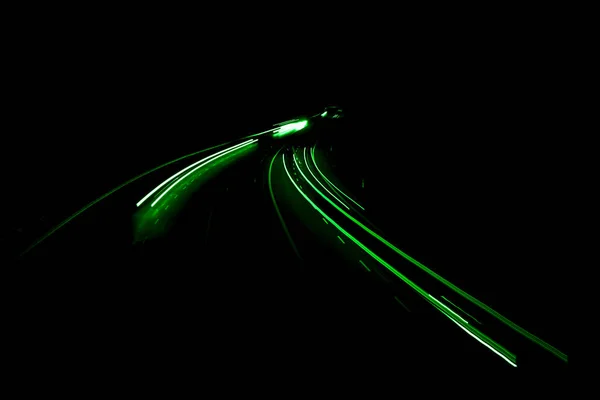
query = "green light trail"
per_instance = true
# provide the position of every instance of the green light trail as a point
(290, 128)
(332, 195)
(463, 311)
(110, 192)
(312, 154)
(449, 310)
(447, 283)
(151, 222)
(283, 224)
(474, 332)
(401, 303)
(364, 265)
(482, 338)
(215, 157)
(186, 168)
(105, 195)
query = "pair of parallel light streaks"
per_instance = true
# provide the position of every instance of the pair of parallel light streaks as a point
(312, 155)
(465, 295)
(287, 127)
(105, 195)
(180, 176)
(319, 182)
(498, 349)
(447, 283)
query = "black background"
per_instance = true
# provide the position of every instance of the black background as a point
(456, 129)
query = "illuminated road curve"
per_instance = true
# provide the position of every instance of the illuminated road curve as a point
(342, 217)
(260, 225)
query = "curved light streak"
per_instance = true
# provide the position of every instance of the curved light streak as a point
(312, 154)
(449, 284)
(186, 168)
(472, 331)
(283, 224)
(332, 195)
(224, 152)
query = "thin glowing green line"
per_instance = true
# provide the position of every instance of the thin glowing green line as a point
(283, 224)
(364, 265)
(478, 334)
(447, 308)
(463, 311)
(449, 284)
(484, 339)
(105, 195)
(309, 170)
(186, 168)
(401, 303)
(312, 154)
(228, 151)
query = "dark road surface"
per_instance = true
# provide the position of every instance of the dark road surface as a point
(215, 278)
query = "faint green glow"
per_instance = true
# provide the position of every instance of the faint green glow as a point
(364, 265)
(290, 128)
(312, 154)
(188, 167)
(481, 337)
(258, 134)
(145, 218)
(401, 303)
(449, 284)
(220, 154)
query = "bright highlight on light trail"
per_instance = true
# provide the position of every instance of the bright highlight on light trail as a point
(290, 128)
(444, 281)
(312, 154)
(222, 153)
(472, 331)
(209, 158)
(313, 175)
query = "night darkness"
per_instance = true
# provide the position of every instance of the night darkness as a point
(452, 142)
